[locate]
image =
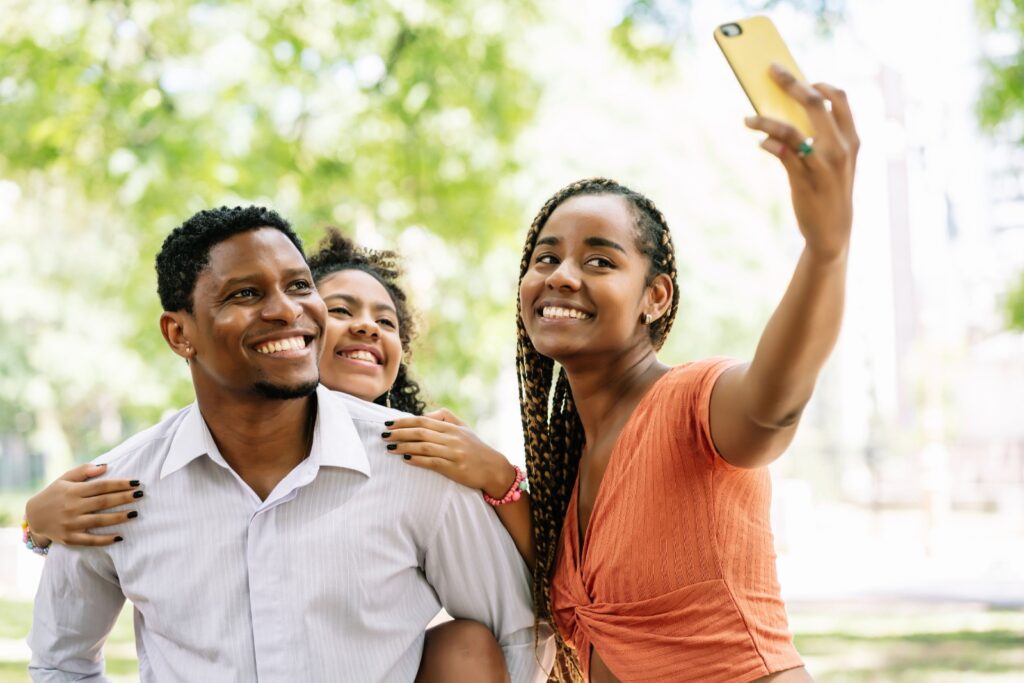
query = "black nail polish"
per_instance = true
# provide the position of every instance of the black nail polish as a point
(392, 446)
(385, 435)
(407, 456)
(117, 539)
(137, 494)
(389, 423)
(133, 482)
(133, 514)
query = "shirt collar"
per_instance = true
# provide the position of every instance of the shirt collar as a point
(336, 441)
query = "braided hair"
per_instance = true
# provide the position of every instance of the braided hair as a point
(336, 253)
(552, 430)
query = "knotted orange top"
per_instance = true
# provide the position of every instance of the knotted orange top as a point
(676, 577)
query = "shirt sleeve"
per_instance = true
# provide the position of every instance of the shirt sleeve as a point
(77, 603)
(478, 574)
(691, 391)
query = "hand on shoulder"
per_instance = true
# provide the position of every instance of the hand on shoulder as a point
(442, 442)
(66, 509)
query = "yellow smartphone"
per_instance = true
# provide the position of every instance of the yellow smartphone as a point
(750, 46)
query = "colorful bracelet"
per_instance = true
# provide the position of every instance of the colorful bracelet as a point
(514, 493)
(26, 538)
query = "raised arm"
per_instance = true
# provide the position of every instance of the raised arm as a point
(442, 442)
(755, 408)
(66, 509)
(477, 574)
(76, 605)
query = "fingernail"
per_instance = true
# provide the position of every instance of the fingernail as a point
(407, 456)
(389, 423)
(750, 120)
(137, 494)
(101, 464)
(117, 539)
(133, 482)
(385, 435)
(778, 68)
(392, 446)
(133, 514)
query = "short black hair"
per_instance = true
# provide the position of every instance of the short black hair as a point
(186, 251)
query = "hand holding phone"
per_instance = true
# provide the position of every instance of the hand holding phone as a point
(751, 46)
(821, 169)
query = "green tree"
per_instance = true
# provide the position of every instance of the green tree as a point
(1015, 305)
(1001, 101)
(650, 30)
(118, 120)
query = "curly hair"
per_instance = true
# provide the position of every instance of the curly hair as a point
(186, 250)
(552, 430)
(336, 253)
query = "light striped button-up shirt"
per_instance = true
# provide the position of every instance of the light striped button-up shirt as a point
(332, 578)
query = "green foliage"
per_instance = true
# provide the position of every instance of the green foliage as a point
(119, 120)
(1015, 305)
(1001, 102)
(650, 30)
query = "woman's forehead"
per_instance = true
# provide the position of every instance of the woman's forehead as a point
(586, 216)
(355, 283)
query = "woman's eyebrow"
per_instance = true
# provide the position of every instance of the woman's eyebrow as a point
(602, 242)
(356, 301)
(551, 240)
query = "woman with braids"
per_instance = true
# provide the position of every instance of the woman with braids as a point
(366, 350)
(649, 500)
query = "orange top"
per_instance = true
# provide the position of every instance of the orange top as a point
(676, 578)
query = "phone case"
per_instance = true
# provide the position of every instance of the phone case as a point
(750, 55)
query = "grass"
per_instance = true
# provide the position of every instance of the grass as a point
(880, 643)
(937, 644)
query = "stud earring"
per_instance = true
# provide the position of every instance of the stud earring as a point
(647, 318)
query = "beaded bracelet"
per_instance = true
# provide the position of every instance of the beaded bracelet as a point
(515, 492)
(26, 538)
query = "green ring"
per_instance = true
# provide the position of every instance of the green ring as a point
(806, 148)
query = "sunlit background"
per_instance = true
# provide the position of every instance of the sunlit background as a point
(440, 128)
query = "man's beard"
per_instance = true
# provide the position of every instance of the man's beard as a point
(276, 392)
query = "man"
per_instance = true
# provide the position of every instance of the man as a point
(279, 541)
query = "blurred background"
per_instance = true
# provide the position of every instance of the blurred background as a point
(439, 128)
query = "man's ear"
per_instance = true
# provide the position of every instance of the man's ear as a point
(177, 327)
(659, 296)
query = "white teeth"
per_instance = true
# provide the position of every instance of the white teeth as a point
(282, 345)
(559, 312)
(360, 355)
